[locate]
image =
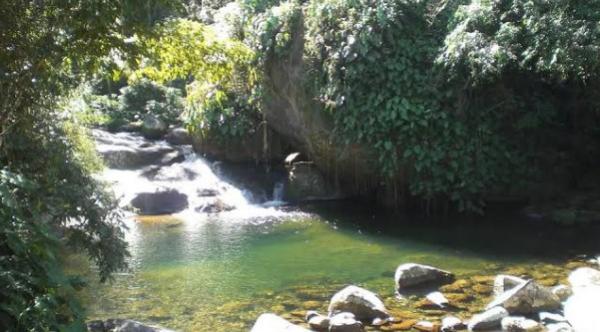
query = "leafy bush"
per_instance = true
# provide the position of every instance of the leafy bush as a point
(147, 97)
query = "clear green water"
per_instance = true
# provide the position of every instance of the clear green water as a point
(219, 275)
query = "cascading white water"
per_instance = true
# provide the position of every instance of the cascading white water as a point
(207, 191)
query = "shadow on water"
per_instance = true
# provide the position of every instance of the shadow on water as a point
(497, 234)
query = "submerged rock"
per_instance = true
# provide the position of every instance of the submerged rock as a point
(504, 282)
(122, 325)
(214, 206)
(345, 322)
(364, 304)
(426, 326)
(527, 298)
(520, 324)
(488, 320)
(411, 275)
(273, 323)
(162, 202)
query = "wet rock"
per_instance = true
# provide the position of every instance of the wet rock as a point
(411, 275)
(549, 317)
(559, 327)
(426, 326)
(364, 304)
(126, 157)
(345, 322)
(527, 298)
(207, 192)
(483, 289)
(459, 286)
(438, 299)
(306, 183)
(584, 277)
(162, 202)
(488, 320)
(562, 291)
(271, 322)
(214, 206)
(581, 309)
(122, 325)
(310, 314)
(153, 127)
(452, 324)
(504, 282)
(520, 324)
(319, 322)
(178, 136)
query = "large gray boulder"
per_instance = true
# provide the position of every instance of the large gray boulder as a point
(162, 202)
(521, 324)
(527, 298)
(584, 277)
(503, 283)
(489, 320)
(273, 323)
(364, 304)
(122, 325)
(178, 136)
(153, 127)
(582, 310)
(411, 275)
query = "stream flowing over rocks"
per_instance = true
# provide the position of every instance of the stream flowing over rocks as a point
(154, 177)
(157, 177)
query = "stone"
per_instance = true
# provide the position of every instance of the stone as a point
(504, 282)
(584, 277)
(452, 324)
(214, 206)
(488, 320)
(345, 322)
(310, 314)
(161, 202)
(319, 323)
(364, 304)
(178, 136)
(270, 323)
(582, 309)
(520, 324)
(562, 291)
(153, 127)
(306, 183)
(426, 326)
(559, 327)
(412, 275)
(438, 299)
(122, 325)
(527, 298)
(207, 192)
(549, 317)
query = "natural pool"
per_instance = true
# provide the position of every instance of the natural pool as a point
(219, 273)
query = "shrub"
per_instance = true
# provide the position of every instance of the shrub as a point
(147, 97)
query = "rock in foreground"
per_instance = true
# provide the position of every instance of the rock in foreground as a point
(274, 323)
(411, 275)
(364, 304)
(527, 298)
(488, 320)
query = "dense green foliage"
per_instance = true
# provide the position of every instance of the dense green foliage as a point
(49, 199)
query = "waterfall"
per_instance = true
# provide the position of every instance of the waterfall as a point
(156, 177)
